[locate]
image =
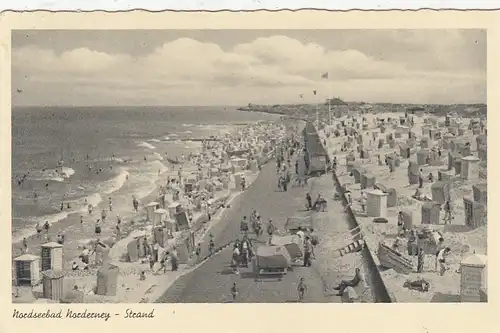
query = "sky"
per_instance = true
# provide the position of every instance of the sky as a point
(237, 67)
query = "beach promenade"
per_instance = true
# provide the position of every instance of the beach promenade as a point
(211, 282)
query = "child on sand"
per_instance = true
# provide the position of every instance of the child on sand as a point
(301, 288)
(234, 291)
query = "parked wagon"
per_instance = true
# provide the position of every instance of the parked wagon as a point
(271, 260)
(293, 224)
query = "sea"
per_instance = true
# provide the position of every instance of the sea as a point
(78, 155)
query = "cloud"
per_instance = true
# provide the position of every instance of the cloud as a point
(274, 69)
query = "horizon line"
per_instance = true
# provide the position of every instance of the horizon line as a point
(239, 105)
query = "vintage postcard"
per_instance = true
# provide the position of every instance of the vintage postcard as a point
(287, 157)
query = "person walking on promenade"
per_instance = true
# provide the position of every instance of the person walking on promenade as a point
(420, 179)
(308, 252)
(309, 201)
(301, 288)
(271, 229)
(234, 291)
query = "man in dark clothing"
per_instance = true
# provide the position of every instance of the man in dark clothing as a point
(308, 251)
(349, 283)
(309, 201)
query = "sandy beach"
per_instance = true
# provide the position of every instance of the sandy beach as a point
(463, 240)
(134, 225)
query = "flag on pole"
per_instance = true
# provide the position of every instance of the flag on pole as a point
(314, 92)
(324, 75)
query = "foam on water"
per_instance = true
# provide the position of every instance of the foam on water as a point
(27, 232)
(154, 140)
(53, 174)
(146, 145)
(115, 183)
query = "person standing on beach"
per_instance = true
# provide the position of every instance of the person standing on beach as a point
(25, 245)
(90, 208)
(110, 204)
(39, 229)
(81, 219)
(46, 226)
(103, 215)
(97, 229)
(135, 204)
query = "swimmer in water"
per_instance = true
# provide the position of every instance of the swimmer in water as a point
(62, 206)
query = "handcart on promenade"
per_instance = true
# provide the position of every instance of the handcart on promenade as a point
(271, 261)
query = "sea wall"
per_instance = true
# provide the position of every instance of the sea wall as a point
(378, 287)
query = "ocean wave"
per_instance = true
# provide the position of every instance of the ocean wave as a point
(146, 145)
(114, 184)
(30, 231)
(154, 140)
(158, 155)
(53, 174)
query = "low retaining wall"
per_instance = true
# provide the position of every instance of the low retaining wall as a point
(379, 290)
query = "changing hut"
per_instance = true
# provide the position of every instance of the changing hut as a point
(52, 256)
(376, 203)
(53, 284)
(27, 270)
(107, 280)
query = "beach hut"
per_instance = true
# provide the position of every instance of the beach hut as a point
(440, 191)
(173, 209)
(376, 203)
(356, 172)
(150, 208)
(469, 168)
(404, 151)
(480, 193)
(182, 221)
(52, 256)
(27, 270)
(422, 156)
(53, 284)
(185, 246)
(367, 180)
(107, 280)
(430, 212)
(473, 277)
(160, 215)
(133, 250)
(392, 197)
(475, 213)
